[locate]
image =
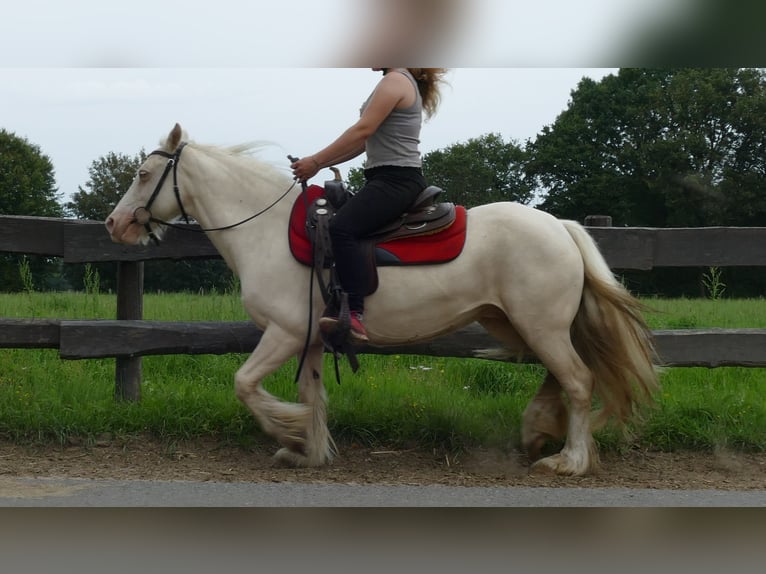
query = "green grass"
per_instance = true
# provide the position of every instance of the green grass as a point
(706, 408)
(702, 313)
(398, 400)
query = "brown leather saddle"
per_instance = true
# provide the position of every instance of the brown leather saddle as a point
(426, 216)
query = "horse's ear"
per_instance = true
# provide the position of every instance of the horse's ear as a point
(174, 138)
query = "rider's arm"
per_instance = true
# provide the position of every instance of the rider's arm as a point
(391, 90)
(343, 158)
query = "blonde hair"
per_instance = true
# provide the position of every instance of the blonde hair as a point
(429, 85)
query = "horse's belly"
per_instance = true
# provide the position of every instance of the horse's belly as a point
(415, 324)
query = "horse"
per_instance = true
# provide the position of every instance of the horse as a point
(537, 284)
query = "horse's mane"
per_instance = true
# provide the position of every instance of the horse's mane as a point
(243, 155)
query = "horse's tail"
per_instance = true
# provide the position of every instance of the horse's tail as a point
(611, 336)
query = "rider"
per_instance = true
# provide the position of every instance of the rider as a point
(388, 131)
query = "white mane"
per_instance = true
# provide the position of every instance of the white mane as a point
(240, 155)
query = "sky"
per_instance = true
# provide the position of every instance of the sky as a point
(84, 78)
(76, 115)
(245, 33)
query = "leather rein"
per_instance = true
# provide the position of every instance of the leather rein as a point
(143, 215)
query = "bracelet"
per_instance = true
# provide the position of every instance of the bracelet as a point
(316, 163)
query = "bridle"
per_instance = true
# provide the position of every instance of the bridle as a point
(143, 215)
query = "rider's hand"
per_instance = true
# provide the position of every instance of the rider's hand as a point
(305, 168)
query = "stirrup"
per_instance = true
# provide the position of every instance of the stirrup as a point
(338, 340)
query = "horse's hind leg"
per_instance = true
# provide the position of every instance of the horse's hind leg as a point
(579, 455)
(545, 418)
(289, 423)
(318, 448)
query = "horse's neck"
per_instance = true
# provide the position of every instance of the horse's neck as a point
(222, 195)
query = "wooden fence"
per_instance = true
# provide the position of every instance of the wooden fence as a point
(128, 337)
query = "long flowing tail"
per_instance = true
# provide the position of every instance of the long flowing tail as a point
(612, 337)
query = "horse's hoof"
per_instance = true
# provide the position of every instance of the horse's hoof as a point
(543, 467)
(288, 458)
(556, 465)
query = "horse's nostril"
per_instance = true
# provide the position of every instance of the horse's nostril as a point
(110, 224)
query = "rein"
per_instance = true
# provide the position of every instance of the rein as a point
(143, 215)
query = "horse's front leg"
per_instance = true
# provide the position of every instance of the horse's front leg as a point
(289, 423)
(318, 448)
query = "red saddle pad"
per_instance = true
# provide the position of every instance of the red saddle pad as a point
(438, 247)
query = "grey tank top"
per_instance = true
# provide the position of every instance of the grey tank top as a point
(396, 140)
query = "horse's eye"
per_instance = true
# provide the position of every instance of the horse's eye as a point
(143, 175)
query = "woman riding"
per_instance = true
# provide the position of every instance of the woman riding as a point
(388, 131)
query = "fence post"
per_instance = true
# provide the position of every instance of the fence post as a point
(130, 305)
(598, 221)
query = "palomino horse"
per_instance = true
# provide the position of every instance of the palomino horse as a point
(537, 284)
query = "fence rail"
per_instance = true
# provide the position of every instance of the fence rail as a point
(129, 337)
(98, 339)
(642, 248)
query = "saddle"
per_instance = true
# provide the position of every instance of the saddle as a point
(424, 217)
(430, 232)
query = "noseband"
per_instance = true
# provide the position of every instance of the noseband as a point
(143, 215)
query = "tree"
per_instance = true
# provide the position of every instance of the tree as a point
(482, 170)
(667, 147)
(355, 179)
(743, 185)
(661, 148)
(27, 187)
(110, 176)
(27, 179)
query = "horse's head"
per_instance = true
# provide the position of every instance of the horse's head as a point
(151, 196)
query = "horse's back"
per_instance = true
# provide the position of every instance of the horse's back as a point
(513, 230)
(514, 216)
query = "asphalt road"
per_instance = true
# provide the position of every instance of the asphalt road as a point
(49, 492)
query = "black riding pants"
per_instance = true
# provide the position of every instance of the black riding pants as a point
(388, 193)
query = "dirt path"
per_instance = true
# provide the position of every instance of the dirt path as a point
(207, 460)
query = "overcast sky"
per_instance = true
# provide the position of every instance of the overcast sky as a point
(245, 33)
(76, 115)
(83, 78)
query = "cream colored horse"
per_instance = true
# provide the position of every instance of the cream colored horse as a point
(537, 284)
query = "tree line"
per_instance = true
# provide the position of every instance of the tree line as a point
(670, 147)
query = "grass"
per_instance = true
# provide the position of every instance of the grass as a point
(702, 313)
(398, 400)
